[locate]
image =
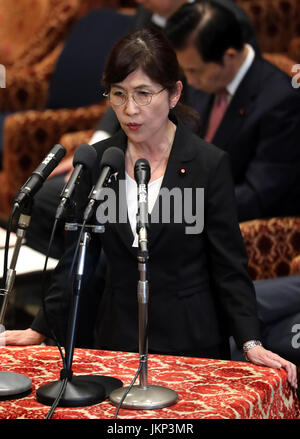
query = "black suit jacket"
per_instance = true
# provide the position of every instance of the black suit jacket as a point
(261, 132)
(200, 291)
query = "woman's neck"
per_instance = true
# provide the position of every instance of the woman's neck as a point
(156, 152)
(156, 145)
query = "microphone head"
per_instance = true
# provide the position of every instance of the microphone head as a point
(58, 151)
(142, 171)
(34, 183)
(114, 158)
(50, 161)
(85, 155)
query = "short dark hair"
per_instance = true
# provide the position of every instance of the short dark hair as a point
(147, 49)
(208, 26)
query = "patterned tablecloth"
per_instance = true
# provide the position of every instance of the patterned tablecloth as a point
(207, 389)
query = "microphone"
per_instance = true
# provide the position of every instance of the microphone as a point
(112, 161)
(35, 182)
(84, 157)
(142, 176)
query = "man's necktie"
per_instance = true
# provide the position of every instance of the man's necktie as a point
(217, 113)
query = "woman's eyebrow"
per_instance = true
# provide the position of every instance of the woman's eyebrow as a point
(135, 88)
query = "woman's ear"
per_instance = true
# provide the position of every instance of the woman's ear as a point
(176, 94)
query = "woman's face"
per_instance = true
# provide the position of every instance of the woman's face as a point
(143, 123)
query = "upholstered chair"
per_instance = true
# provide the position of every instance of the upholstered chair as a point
(272, 246)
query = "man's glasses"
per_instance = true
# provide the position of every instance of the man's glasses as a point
(140, 97)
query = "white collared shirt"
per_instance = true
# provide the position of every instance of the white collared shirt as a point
(233, 86)
(131, 195)
(159, 20)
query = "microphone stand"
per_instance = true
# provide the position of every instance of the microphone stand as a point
(143, 396)
(82, 390)
(14, 385)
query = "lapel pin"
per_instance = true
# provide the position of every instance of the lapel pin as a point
(242, 111)
(182, 172)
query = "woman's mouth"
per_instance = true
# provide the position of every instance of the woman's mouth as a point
(133, 126)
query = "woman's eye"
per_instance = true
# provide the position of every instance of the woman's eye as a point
(143, 93)
(117, 93)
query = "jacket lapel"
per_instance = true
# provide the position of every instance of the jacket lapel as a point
(179, 174)
(202, 102)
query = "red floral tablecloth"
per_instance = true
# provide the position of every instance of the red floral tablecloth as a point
(207, 389)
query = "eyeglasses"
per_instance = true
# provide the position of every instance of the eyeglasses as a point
(140, 97)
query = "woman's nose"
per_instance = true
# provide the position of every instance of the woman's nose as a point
(130, 107)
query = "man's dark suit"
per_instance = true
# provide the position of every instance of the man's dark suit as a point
(200, 290)
(278, 303)
(261, 133)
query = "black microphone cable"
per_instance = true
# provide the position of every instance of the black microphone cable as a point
(6, 248)
(50, 327)
(58, 398)
(128, 390)
(119, 406)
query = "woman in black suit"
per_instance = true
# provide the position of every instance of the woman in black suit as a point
(200, 291)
